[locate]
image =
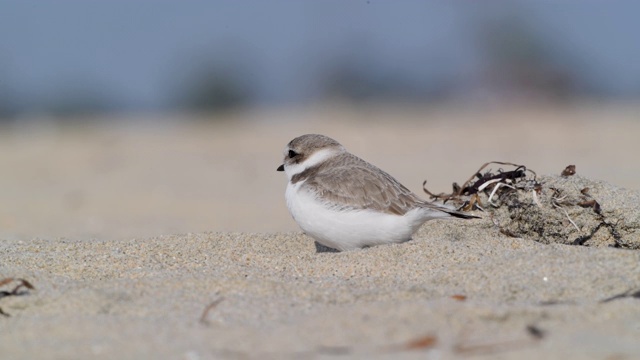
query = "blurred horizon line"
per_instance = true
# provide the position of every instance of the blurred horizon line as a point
(71, 58)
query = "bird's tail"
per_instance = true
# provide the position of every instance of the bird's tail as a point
(461, 215)
(450, 211)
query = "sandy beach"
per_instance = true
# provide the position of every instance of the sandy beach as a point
(128, 233)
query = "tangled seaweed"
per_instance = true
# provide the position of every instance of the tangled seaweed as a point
(547, 209)
(467, 198)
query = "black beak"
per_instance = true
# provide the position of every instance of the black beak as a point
(281, 168)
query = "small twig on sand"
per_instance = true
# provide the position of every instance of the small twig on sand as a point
(213, 304)
(15, 291)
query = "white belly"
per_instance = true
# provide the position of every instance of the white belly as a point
(344, 230)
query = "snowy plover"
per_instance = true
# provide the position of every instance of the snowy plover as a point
(344, 202)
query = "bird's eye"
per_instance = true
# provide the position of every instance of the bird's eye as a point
(292, 154)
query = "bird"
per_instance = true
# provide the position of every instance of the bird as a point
(345, 203)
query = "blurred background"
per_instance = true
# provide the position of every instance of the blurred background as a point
(140, 118)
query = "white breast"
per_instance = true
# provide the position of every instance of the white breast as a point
(345, 229)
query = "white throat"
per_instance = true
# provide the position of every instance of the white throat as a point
(316, 158)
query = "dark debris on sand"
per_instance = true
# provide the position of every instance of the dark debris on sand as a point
(18, 289)
(565, 209)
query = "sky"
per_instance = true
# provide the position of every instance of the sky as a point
(145, 55)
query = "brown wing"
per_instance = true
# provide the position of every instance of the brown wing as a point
(357, 184)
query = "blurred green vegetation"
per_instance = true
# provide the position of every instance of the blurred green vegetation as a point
(520, 61)
(214, 90)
